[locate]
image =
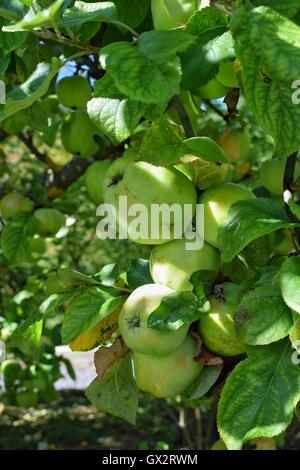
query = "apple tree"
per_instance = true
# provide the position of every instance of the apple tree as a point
(170, 102)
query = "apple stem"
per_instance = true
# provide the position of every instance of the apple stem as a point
(288, 189)
(189, 132)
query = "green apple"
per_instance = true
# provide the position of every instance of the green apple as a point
(217, 202)
(235, 143)
(272, 174)
(167, 14)
(169, 375)
(149, 185)
(213, 90)
(94, 177)
(48, 221)
(78, 134)
(227, 76)
(172, 264)
(27, 399)
(217, 327)
(133, 322)
(13, 203)
(74, 92)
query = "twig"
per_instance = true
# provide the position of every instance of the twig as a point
(288, 189)
(46, 34)
(183, 426)
(216, 110)
(28, 141)
(183, 117)
(199, 431)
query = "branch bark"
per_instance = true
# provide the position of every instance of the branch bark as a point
(28, 141)
(189, 132)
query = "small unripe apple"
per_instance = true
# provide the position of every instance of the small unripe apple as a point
(48, 221)
(213, 90)
(227, 76)
(94, 177)
(169, 375)
(148, 185)
(168, 14)
(74, 92)
(78, 134)
(272, 174)
(217, 327)
(172, 264)
(217, 202)
(188, 169)
(13, 203)
(235, 143)
(133, 322)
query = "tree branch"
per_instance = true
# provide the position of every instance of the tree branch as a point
(189, 132)
(28, 141)
(216, 110)
(76, 168)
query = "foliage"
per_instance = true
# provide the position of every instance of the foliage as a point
(69, 287)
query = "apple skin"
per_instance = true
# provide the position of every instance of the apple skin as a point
(217, 327)
(217, 202)
(168, 14)
(172, 265)
(227, 76)
(48, 222)
(272, 174)
(212, 90)
(169, 375)
(133, 322)
(13, 203)
(74, 92)
(94, 177)
(146, 184)
(236, 144)
(77, 134)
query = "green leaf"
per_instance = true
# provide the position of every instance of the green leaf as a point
(206, 20)
(15, 238)
(139, 77)
(108, 275)
(161, 144)
(114, 113)
(83, 12)
(116, 392)
(205, 381)
(4, 63)
(200, 62)
(270, 61)
(158, 46)
(34, 88)
(41, 19)
(10, 41)
(27, 339)
(289, 279)
(87, 309)
(133, 12)
(12, 10)
(247, 221)
(138, 274)
(288, 9)
(177, 309)
(259, 396)
(262, 317)
(206, 148)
